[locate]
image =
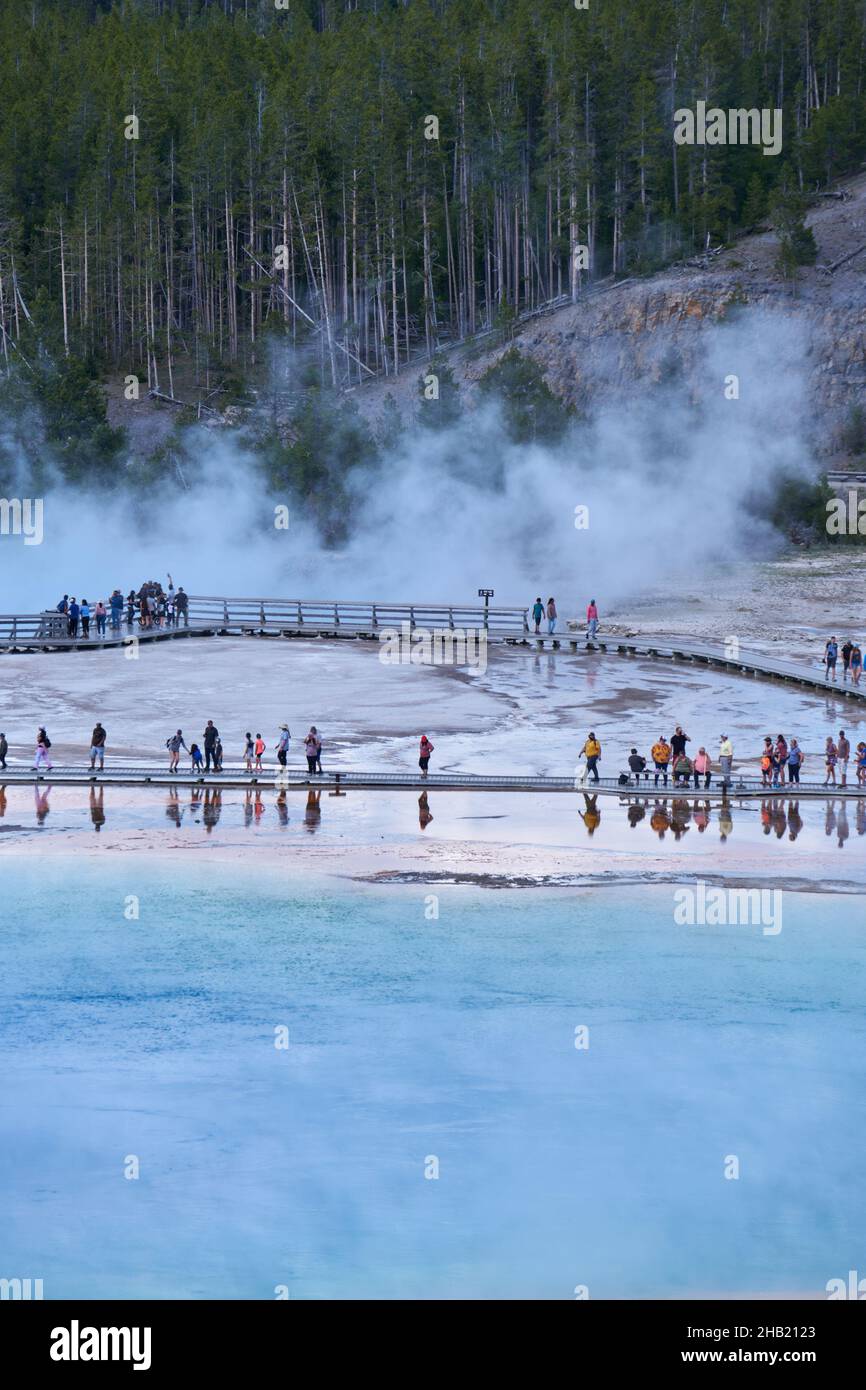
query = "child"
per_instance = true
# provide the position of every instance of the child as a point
(249, 749)
(218, 756)
(259, 750)
(861, 763)
(196, 758)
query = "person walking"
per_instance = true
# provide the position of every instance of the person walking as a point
(847, 649)
(196, 760)
(85, 618)
(174, 745)
(831, 651)
(284, 743)
(551, 616)
(831, 754)
(537, 613)
(209, 739)
(72, 620)
(726, 759)
(592, 752)
(311, 749)
(249, 751)
(795, 762)
(259, 750)
(101, 613)
(42, 756)
(843, 749)
(861, 775)
(856, 663)
(218, 758)
(97, 747)
(4, 749)
(591, 621)
(661, 756)
(425, 748)
(703, 768)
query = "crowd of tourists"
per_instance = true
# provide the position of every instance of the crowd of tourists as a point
(151, 606)
(780, 761)
(668, 762)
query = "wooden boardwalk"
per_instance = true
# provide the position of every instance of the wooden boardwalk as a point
(331, 620)
(276, 779)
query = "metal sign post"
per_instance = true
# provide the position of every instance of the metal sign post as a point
(487, 595)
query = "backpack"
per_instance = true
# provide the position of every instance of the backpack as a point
(46, 742)
(623, 779)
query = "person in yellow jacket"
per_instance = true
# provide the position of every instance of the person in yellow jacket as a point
(592, 753)
(661, 756)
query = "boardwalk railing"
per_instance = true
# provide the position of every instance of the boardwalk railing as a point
(294, 614)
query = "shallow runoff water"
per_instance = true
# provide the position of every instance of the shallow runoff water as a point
(226, 1080)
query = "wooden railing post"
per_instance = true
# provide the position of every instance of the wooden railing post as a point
(337, 614)
(300, 614)
(225, 611)
(262, 614)
(375, 619)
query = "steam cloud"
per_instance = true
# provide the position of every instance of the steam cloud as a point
(674, 477)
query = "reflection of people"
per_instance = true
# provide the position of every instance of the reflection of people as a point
(636, 813)
(3, 802)
(172, 809)
(313, 813)
(795, 820)
(282, 808)
(659, 820)
(97, 811)
(425, 815)
(42, 807)
(726, 823)
(681, 815)
(213, 801)
(591, 817)
(842, 825)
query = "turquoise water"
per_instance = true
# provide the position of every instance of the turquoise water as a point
(412, 1038)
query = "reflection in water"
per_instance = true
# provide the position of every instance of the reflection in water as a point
(778, 816)
(591, 817)
(313, 814)
(97, 808)
(213, 804)
(669, 814)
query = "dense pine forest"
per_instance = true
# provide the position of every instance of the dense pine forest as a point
(180, 178)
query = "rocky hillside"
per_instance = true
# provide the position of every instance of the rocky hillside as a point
(629, 334)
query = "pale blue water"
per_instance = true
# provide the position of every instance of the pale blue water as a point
(412, 1037)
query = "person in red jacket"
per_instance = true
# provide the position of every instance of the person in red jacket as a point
(424, 751)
